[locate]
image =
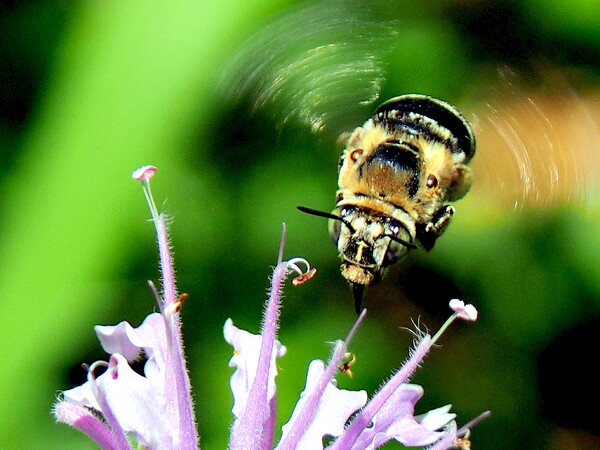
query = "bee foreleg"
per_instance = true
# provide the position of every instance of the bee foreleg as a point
(427, 233)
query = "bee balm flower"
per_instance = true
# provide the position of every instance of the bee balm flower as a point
(155, 410)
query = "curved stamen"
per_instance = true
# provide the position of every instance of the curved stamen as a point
(293, 266)
(90, 370)
(303, 276)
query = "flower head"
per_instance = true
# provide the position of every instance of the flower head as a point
(323, 409)
(155, 408)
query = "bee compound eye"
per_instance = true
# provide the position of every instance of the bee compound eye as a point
(432, 181)
(334, 230)
(355, 154)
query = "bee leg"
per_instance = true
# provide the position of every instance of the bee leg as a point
(427, 233)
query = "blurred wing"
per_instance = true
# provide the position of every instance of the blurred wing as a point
(317, 64)
(537, 147)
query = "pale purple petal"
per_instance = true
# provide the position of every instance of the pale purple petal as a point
(312, 400)
(395, 420)
(135, 403)
(246, 347)
(88, 423)
(115, 339)
(453, 435)
(332, 413)
(436, 418)
(269, 426)
(177, 387)
(250, 430)
(149, 336)
(447, 441)
(365, 417)
(83, 395)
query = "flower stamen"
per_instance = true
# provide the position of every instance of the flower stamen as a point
(461, 311)
(175, 306)
(346, 367)
(90, 374)
(465, 430)
(301, 279)
(157, 298)
(465, 312)
(144, 174)
(304, 418)
(292, 266)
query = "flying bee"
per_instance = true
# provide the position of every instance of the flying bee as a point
(396, 173)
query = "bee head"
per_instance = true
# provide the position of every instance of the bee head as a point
(368, 241)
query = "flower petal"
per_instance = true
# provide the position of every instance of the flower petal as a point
(135, 403)
(448, 440)
(334, 409)
(436, 418)
(245, 357)
(395, 420)
(150, 337)
(88, 423)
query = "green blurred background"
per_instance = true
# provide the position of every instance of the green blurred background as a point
(91, 90)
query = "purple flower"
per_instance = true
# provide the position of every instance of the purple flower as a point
(323, 409)
(155, 410)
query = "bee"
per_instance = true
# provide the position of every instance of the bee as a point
(396, 174)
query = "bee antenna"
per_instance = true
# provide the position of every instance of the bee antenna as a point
(400, 241)
(316, 212)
